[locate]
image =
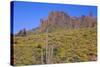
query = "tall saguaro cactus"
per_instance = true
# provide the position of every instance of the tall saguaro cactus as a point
(47, 55)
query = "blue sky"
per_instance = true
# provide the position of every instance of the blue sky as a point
(28, 14)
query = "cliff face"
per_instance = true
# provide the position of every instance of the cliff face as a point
(55, 20)
(62, 20)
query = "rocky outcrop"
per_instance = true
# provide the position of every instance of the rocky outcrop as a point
(62, 20)
(55, 20)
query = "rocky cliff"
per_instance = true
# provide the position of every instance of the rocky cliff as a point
(62, 20)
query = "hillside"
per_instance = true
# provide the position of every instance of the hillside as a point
(64, 46)
(60, 38)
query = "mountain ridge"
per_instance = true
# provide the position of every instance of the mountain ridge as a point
(61, 20)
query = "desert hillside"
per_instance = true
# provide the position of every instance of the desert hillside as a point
(59, 39)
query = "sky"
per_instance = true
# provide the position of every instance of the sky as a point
(28, 14)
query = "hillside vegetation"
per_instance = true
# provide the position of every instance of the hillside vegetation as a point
(64, 46)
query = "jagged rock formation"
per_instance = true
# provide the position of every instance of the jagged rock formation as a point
(62, 20)
(59, 20)
(55, 20)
